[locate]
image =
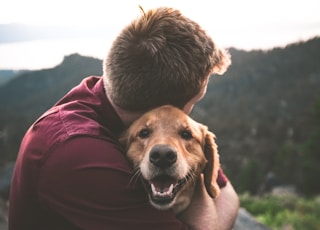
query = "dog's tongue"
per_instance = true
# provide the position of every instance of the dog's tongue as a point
(162, 186)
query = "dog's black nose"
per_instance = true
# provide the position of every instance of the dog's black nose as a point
(162, 156)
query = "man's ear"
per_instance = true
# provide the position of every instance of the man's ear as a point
(222, 60)
(212, 167)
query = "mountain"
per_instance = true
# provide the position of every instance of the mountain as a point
(35, 91)
(265, 112)
(7, 75)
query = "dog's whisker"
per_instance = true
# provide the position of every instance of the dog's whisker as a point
(191, 176)
(135, 176)
(134, 180)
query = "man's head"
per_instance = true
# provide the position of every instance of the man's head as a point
(161, 58)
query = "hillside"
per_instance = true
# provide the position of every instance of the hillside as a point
(7, 75)
(262, 111)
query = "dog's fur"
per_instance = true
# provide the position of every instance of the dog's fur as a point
(169, 151)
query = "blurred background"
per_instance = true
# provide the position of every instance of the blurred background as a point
(265, 110)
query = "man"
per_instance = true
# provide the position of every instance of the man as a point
(71, 171)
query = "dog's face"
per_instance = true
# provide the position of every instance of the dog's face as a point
(169, 151)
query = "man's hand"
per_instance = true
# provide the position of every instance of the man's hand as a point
(201, 213)
(214, 214)
(227, 206)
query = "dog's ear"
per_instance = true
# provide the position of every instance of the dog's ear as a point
(212, 167)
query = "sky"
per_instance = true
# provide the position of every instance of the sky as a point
(245, 24)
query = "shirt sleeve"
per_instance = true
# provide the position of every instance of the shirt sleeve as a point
(222, 178)
(88, 182)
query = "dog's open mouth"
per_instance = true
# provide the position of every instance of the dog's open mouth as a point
(163, 189)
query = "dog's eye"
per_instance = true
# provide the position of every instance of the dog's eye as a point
(144, 133)
(186, 134)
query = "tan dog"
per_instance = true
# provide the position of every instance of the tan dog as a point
(169, 151)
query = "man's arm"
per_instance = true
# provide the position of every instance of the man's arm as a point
(87, 182)
(205, 213)
(227, 205)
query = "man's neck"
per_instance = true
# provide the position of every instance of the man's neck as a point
(126, 116)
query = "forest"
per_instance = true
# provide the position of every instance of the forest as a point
(265, 112)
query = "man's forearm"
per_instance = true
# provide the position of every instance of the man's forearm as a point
(227, 206)
(201, 213)
(205, 213)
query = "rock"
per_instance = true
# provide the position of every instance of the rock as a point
(245, 221)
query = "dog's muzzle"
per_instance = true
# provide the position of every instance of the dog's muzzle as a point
(163, 187)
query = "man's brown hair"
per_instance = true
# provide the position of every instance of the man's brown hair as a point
(161, 58)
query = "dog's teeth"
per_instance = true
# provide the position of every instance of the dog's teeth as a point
(154, 191)
(157, 193)
(170, 189)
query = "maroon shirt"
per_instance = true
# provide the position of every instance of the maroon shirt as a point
(71, 172)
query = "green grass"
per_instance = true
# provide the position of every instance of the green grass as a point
(280, 211)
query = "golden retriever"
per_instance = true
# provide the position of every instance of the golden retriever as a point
(169, 151)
